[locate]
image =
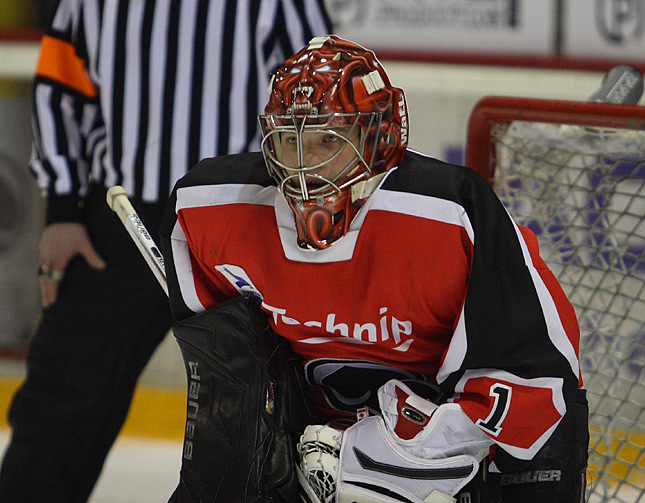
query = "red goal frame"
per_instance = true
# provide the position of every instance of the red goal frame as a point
(491, 110)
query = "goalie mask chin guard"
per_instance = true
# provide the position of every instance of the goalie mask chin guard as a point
(333, 124)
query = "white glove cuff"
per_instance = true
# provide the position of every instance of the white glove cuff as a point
(374, 467)
(449, 432)
(389, 402)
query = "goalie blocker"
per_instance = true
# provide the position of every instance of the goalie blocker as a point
(247, 406)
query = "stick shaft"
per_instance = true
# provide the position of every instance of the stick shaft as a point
(118, 201)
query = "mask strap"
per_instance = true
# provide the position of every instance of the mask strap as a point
(362, 190)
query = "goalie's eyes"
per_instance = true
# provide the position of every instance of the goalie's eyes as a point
(323, 139)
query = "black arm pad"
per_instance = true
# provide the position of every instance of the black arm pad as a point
(557, 474)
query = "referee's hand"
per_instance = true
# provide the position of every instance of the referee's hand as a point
(58, 244)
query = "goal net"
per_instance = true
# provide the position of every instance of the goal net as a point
(574, 173)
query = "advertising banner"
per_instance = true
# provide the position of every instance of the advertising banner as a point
(515, 27)
(609, 29)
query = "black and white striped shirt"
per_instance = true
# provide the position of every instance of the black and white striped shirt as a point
(137, 92)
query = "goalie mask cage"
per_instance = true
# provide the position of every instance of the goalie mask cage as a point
(574, 173)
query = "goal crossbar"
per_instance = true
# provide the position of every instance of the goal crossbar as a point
(492, 110)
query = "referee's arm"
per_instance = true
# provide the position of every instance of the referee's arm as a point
(66, 114)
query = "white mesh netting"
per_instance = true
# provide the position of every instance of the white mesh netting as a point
(582, 191)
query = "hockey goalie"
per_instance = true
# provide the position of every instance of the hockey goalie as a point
(361, 322)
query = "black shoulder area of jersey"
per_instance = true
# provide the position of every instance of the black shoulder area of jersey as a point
(427, 176)
(247, 168)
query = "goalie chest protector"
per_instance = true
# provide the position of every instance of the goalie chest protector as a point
(247, 406)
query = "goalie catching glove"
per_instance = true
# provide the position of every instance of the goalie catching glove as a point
(416, 451)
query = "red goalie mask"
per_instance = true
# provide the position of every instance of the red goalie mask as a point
(333, 124)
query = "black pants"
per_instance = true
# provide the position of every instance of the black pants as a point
(83, 364)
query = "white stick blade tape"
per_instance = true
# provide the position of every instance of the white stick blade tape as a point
(120, 205)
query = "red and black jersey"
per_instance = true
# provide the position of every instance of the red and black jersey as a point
(433, 281)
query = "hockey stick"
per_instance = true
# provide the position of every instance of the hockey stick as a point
(118, 201)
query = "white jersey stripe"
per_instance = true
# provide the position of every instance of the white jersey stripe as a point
(181, 257)
(240, 80)
(157, 79)
(212, 195)
(63, 182)
(556, 331)
(212, 81)
(457, 349)
(132, 95)
(181, 113)
(422, 206)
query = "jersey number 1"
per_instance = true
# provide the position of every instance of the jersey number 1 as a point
(502, 397)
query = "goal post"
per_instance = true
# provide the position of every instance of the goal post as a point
(574, 173)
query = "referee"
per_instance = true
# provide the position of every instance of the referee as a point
(132, 93)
